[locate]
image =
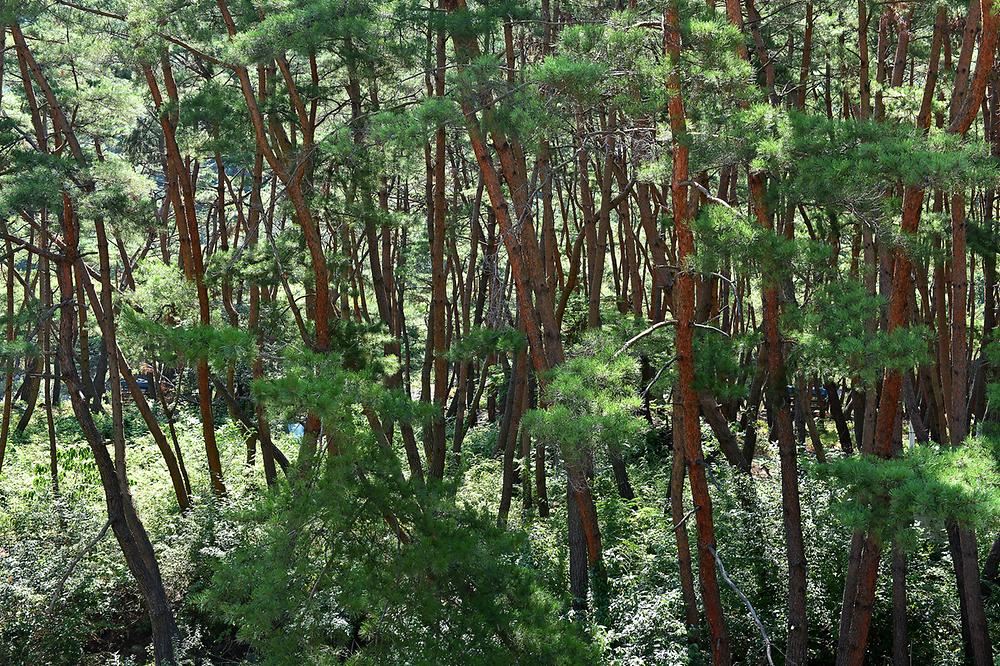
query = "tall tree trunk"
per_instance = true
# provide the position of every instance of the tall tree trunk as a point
(684, 341)
(8, 384)
(439, 299)
(777, 402)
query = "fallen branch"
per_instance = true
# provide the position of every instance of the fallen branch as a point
(657, 326)
(708, 327)
(708, 195)
(639, 336)
(683, 520)
(659, 372)
(57, 593)
(746, 602)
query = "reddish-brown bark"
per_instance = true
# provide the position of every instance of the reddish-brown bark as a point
(684, 341)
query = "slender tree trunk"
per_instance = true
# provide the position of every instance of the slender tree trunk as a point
(510, 434)
(777, 402)
(45, 284)
(439, 300)
(8, 384)
(679, 520)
